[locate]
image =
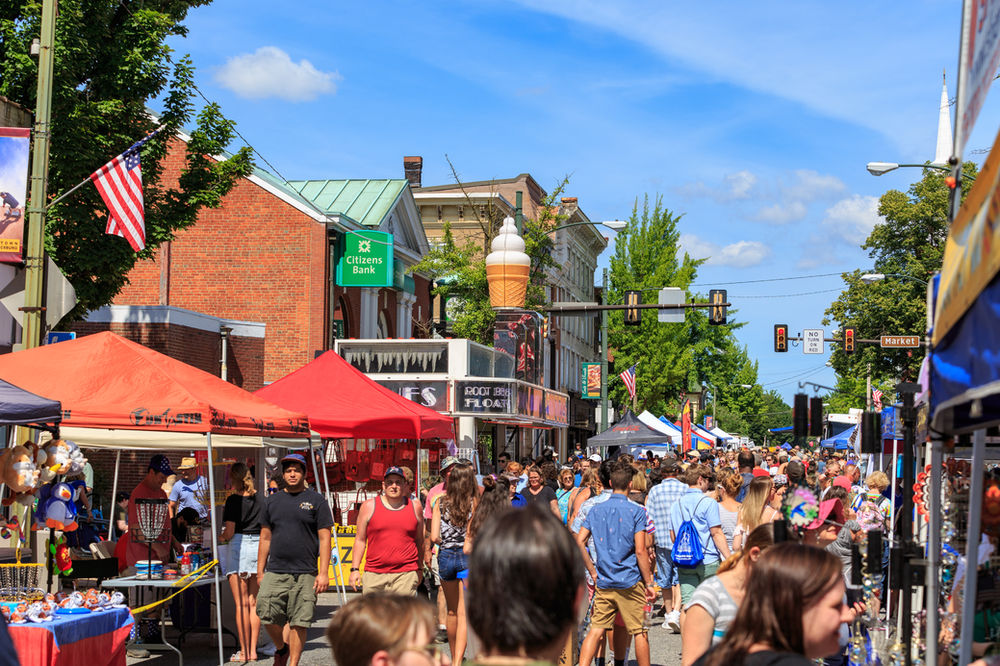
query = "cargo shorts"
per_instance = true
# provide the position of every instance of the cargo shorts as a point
(287, 599)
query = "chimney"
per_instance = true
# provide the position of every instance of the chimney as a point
(412, 167)
(568, 201)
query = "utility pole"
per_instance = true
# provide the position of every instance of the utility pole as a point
(35, 258)
(868, 390)
(604, 354)
(519, 212)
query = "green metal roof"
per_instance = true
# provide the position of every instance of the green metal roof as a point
(365, 201)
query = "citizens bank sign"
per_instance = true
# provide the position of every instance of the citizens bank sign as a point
(365, 259)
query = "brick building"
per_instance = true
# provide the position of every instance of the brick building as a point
(267, 255)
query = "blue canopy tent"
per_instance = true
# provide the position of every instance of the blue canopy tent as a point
(20, 407)
(697, 441)
(840, 442)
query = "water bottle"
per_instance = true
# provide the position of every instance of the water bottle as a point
(647, 617)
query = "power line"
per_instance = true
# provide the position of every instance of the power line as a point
(807, 293)
(794, 277)
(785, 380)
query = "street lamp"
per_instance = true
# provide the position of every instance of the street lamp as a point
(879, 168)
(869, 278)
(615, 225)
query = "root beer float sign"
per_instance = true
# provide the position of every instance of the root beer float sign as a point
(366, 259)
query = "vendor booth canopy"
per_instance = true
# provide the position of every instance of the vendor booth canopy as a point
(721, 434)
(18, 407)
(342, 402)
(698, 440)
(106, 382)
(660, 427)
(628, 431)
(840, 442)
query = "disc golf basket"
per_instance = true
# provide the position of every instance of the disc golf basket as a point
(19, 580)
(153, 526)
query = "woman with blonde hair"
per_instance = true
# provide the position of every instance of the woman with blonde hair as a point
(756, 509)
(639, 487)
(452, 514)
(566, 482)
(241, 520)
(590, 486)
(384, 629)
(729, 484)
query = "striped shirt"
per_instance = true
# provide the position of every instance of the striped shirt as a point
(658, 503)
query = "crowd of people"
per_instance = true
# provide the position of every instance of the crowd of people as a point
(522, 555)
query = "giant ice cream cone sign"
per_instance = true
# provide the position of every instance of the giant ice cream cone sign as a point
(507, 268)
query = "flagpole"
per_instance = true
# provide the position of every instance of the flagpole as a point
(88, 178)
(35, 255)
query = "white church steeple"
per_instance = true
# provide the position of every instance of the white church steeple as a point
(945, 148)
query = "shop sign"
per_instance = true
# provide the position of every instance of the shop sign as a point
(590, 381)
(531, 401)
(366, 260)
(709, 422)
(398, 275)
(428, 394)
(480, 397)
(556, 408)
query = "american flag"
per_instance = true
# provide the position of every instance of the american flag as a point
(629, 378)
(877, 399)
(120, 184)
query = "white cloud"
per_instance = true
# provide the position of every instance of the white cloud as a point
(808, 185)
(270, 72)
(741, 254)
(852, 219)
(782, 213)
(735, 186)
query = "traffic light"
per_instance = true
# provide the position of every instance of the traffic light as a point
(717, 313)
(815, 417)
(633, 315)
(781, 337)
(848, 339)
(800, 415)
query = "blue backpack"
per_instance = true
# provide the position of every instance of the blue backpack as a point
(688, 550)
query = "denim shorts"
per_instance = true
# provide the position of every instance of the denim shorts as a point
(451, 561)
(242, 556)
(666, 570)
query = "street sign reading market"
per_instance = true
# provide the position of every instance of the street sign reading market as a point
(365, 259)
(900, 341)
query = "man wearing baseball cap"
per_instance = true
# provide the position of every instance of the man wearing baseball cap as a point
(294, 532)
(391, 531)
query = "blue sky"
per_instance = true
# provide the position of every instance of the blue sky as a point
(753, 120)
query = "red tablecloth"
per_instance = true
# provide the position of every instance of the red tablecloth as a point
(97, 639)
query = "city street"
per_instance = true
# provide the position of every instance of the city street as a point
(200, 649)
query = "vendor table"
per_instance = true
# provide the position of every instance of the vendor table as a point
(93, 639)
(161, 588)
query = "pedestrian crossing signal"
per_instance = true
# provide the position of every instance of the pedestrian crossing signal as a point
(633, 315)
(781, 337)
(717, 313)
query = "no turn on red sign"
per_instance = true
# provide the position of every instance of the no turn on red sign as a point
(900, 341)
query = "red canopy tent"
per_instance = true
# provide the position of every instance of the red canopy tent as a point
(342, 402)
(108, 385)
(106, 381)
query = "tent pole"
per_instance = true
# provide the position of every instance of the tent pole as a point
(215, 541)
(973, 538)
(337, 577)
(934, 546)
(114, 494)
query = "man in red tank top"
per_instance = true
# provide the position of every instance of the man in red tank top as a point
(391, 532)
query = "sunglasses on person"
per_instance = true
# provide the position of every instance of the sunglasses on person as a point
(271, 491)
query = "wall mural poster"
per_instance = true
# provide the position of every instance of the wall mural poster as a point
(14, 142)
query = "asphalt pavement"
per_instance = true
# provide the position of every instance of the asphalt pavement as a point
(202, 649)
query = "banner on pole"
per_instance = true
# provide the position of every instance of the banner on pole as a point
(14, 145)
(979, 56)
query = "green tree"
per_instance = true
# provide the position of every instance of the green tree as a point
(671, 359)
(111, 59)
(908, 242)
(460, 270)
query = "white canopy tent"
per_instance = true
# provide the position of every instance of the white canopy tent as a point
(659, 426)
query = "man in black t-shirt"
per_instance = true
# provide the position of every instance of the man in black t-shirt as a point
(294, 531)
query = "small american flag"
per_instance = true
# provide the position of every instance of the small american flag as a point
(120, 184)
(629, 378)
(877, 399)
